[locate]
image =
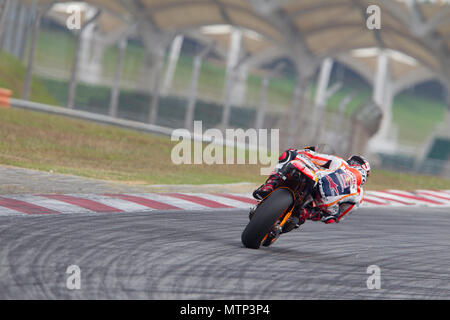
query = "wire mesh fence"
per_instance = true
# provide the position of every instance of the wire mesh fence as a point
(114, 73)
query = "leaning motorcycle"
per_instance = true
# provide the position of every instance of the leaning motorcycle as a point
(270, 216)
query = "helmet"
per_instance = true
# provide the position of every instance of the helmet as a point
(312, 148)
(360, 164)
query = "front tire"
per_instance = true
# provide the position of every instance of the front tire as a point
(265, 216)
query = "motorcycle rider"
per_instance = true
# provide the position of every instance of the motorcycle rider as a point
(338, 190)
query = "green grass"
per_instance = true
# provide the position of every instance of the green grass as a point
(384, 179)
(12, 76)
(46, 142)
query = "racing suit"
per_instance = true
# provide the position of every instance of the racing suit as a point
(339, 187)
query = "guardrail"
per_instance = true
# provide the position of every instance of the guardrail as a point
(128, 124)
(85, 115)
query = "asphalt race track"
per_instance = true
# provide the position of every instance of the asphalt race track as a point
(198, 255)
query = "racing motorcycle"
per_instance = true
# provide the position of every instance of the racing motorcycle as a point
(271, 216)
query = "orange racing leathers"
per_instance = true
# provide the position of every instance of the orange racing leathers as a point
(339, 187)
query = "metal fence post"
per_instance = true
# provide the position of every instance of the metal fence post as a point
(154, 102)
(3, 19)
(188, 121)
(261, 112)
(29, 73)
(115, 90)
(74, 73)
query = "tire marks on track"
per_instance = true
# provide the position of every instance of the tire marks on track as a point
(198, 255)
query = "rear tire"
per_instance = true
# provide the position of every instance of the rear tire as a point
(265, 216)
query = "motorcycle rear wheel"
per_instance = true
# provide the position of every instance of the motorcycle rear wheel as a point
(266, 215)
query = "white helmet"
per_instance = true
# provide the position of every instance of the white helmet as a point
(361, 165)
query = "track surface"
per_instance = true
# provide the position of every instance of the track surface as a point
(198, 255)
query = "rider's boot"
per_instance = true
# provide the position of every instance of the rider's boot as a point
(267, 187)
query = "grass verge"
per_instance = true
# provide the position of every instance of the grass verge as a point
(48, 142)
(12, 76)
